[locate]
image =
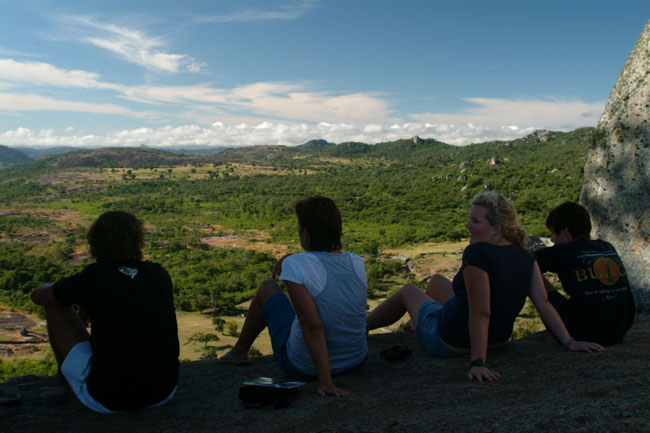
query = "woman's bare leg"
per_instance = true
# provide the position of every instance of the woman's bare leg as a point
(65, 330)
(408, 298)
(254, 324)
(439, 288)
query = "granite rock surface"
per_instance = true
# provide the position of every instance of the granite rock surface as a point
(616, 187)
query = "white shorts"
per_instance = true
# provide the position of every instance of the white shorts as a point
(76, 368)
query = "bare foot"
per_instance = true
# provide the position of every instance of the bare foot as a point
(229, 358)
(408, 326)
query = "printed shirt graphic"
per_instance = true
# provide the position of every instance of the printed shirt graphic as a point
(593, 275)
(586, 269)
(131, 272)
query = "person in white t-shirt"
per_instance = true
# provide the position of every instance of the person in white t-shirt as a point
(322, 331)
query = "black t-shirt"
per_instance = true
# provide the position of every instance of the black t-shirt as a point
(601, 306)
(509, 268)
(134, 335)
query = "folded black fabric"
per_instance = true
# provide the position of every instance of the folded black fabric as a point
(256, 396)
(396, 353)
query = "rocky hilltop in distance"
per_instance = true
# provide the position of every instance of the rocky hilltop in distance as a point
(616, 187)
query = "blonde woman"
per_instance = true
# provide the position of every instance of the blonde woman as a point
(477, 309)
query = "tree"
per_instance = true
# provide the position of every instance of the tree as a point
(201, 337)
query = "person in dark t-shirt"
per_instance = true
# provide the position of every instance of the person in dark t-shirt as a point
(477, 310)
(601, 306)
(130, 359)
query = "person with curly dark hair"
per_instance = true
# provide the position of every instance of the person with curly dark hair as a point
(321, 330)
(477, 310)
(130, 359)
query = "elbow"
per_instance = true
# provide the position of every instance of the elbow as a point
(41, 294)
(36, 296)
(313, 329)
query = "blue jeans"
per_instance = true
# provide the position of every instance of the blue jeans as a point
(278, 314)
(427, 329)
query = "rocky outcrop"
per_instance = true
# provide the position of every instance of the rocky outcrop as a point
(616, 188)
(607, 392)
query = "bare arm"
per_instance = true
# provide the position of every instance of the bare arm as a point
(277, 268)
(478, 298)
(43, 295)
(547, 285)
(314, 333)
(537, 294)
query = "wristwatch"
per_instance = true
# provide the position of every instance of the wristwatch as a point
(477, 363)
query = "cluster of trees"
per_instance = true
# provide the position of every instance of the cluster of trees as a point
(212, 278)
(22, 270)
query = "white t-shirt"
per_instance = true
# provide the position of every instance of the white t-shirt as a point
(337, 283)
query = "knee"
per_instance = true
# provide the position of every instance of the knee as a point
(267, 289)
(437, 279)
(408, 289)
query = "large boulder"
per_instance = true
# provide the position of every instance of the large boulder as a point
(616, 187)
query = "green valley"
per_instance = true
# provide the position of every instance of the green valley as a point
(218, 222)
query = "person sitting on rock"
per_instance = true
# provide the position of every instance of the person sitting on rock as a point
(601, 306)
(477, 310)
(322, 331)
(130, 359)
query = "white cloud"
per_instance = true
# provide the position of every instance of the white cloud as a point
(495, 113)
(293, 102)
(13, 102)
(278, 112)
(44, 74)
(265, 132)
(133, 45)
(290, 11)
(4, 51)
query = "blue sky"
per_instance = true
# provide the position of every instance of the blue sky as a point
(125, 73)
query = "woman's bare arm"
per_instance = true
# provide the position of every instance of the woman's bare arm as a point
(478, 298)
(314, 334)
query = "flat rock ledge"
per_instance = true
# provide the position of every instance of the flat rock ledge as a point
(542, 388)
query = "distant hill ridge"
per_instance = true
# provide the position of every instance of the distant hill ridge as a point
(556, 145)
(9, 156)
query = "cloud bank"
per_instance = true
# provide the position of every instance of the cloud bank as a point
(268, 112)
(264, 133)
(552, 113)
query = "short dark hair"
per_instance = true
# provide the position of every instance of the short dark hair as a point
(322, 220)
(571, 216)
(116, 235)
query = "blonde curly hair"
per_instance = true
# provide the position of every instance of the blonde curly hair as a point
(501, 211)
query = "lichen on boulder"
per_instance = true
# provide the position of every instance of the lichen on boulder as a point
(616, 187)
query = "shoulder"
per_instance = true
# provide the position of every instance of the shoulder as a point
(301, 259)
(485, 252)
(481, 249)
(353, 257)
(603, 244)
(93, 270)
(156, 267)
